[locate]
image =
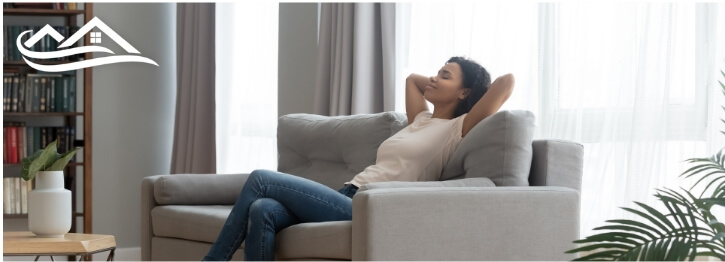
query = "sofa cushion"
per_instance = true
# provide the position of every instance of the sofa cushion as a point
(498, 147)
(331, 150)
(198, 223)
(196, 189)
(466, 182)
(325, 240)
(174, 249)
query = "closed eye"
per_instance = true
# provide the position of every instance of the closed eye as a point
(445, 74)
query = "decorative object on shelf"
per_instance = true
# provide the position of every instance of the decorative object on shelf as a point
(49, 204)
(688, 229)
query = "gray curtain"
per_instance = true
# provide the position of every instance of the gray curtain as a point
(355, 59)
(194, 149)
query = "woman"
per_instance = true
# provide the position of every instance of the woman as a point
(271, 201)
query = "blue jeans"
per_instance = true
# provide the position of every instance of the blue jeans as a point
(271, 201)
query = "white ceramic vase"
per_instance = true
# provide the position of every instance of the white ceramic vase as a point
(49, 205)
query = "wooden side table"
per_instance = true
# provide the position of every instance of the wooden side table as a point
(83, 245)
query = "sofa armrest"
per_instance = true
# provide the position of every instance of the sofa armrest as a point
(557, 163)
(466, 182)
(473, 223)
(184, 189)
(148, 202)
(195, 189)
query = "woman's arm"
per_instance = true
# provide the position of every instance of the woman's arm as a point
(414, 100)
(498, 92)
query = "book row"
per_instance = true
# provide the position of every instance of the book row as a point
(39, 93)
(55, 6)
(15, 195)
(46, 44)
(20, 141)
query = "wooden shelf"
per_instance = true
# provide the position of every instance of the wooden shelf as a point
(37, 114)
(82, 120)
(40, 12)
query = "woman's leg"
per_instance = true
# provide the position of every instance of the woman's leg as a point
(266, 218)
(307, 200)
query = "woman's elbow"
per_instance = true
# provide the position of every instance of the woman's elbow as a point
(504, 84)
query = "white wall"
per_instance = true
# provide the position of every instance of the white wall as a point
(297, 57)
(133, 116)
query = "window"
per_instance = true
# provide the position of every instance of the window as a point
(630, 81)
(95, 37)
(246, 82)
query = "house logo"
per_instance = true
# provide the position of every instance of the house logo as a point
(95, 39)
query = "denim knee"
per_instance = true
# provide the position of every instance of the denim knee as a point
(261, 206)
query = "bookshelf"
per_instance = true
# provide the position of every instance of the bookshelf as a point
(79, 118)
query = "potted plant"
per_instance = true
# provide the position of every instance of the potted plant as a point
(687, 229)
(49, 203)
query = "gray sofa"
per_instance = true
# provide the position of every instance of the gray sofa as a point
(501, 196)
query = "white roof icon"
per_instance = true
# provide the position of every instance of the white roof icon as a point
(95, 22)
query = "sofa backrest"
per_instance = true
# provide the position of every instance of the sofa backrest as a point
(331, 150)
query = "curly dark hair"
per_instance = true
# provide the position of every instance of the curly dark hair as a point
(476, 78)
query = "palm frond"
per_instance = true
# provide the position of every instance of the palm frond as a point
(607, 246)
(672, 201)
(715, 201)
(708, 164)
(687, 230)
(719, 187)
(657, 218)
(617, 236)
(639, 225)
(627, 228)
(664, 249)
(603, 255)
(715, 250)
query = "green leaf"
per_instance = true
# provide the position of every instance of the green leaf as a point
(718, 236)
(63, 160)
(679, 250)
(697, 169)
(714, 248)
(657, 216)
(608, 246)
(26, 164)
(608, 255)
(46, 158)
(637, 224)
(716, 201)
(626, 228)
(614, 237)
(711, 182)
(668, 202)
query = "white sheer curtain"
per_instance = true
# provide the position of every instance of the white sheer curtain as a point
(246, 86)
(635, 83)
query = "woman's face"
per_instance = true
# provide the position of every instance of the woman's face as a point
(446, 86)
